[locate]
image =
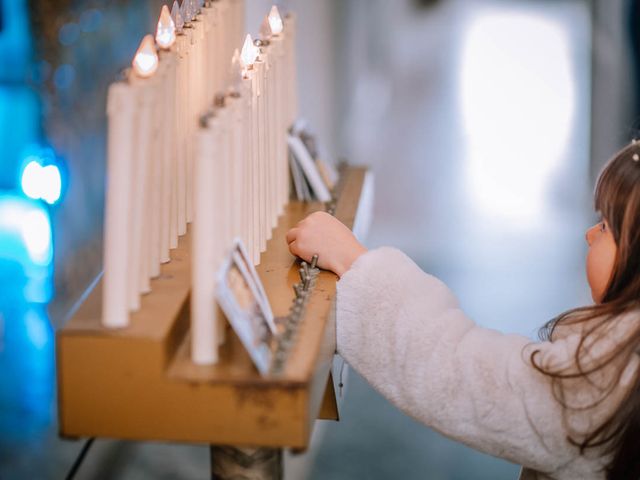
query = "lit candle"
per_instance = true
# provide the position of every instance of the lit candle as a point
(182, 79)
(249, 81)
(166, 38)
(259, 67)
(270, 131)
(276, 29)
(237, 106)
(244, 90)
(191, 101)
(144, 66)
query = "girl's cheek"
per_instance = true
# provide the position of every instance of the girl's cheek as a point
(591, 275)
(600, 262)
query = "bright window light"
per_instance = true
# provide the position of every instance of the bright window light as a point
(517, 102)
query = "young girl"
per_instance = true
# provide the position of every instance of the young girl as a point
(567, 407)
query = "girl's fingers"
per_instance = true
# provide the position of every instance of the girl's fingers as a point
(292, 235)
(293, 248)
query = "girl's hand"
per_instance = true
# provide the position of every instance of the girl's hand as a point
(323, 235)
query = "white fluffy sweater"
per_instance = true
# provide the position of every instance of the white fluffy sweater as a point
(403, 330)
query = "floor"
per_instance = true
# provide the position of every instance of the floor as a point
(482, 177)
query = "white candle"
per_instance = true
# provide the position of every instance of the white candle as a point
(206, 16)
(217, 54)
(241, 94)
(225, 171)
(190, 99)
(115, 297)
(237, 166)
(250, 76)
(201, 74)
(266, 140)
(204, 322)
(246, 96)
(165, 38)
(276, 28)
(258, 126)
(141, 78)
(271, 122)
(152, 211)
(225, 55)
(179, 167)
(225, 187)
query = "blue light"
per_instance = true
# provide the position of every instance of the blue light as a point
(40, 182)
(25, 233)
(69, 33)
(26, 250)
(91, 20)
(64, 76)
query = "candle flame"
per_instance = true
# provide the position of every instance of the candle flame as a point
(178, 20)
(275, 21)
(145, 63)
(166, 31)
(249, 52)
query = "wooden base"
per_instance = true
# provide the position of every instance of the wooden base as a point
(139, 382)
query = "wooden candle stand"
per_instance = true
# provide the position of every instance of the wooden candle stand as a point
(139, 382)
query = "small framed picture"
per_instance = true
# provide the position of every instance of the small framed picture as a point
(309, 168)
(243, 300)
(240, 254)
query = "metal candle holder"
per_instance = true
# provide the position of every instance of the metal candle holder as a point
(292, 321)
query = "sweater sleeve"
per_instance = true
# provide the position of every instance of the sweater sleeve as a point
(403, 330)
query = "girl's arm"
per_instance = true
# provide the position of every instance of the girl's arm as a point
(405, 333)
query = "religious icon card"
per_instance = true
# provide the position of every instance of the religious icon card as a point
(243, 300)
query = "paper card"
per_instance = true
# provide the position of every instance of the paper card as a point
(244, 306)
(241, 257)
(326, 172)
(298, 178)
(305, 160)
(298, 126)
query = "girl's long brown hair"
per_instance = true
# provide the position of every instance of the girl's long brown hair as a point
(617, 198)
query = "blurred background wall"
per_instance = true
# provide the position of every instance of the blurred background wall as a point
(484, 121)
(614, 115)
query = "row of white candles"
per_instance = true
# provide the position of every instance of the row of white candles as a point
(152, 122)
(242, 171)
(229, 175)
